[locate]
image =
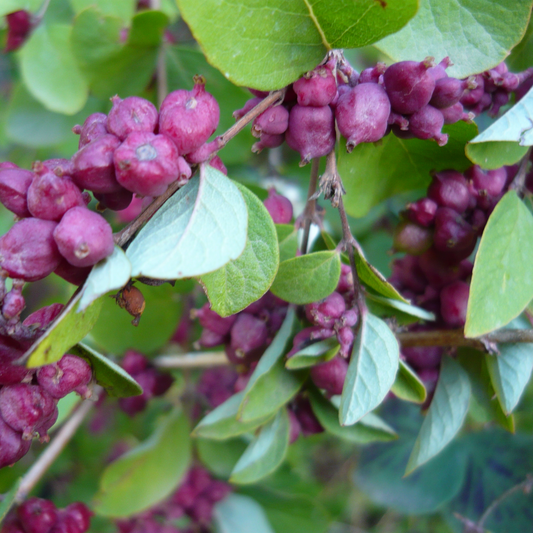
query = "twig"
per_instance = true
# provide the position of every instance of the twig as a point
(192, 360)
(52, 451)
(39, 15)
(519, 180)
(455, 337)
(310, 206)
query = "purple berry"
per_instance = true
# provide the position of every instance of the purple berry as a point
(316, 88)
(426, 123)
(37, 515)
(189, 118)
(14, 185)
(267, 141)
(184, 171)
(84, 237)
(131, 114)
(362, 114)
(247, 334)
(330, 376)
(307, 419)
(94, 127)
(65, 524)
(279, 207)
(213, 321)
(439, 71)
(412, 238)
(437, 273)
(28, 250)
(448, 91)
(13, 304)
(423, 356)
(116, 201)
(12, 445)
(294, 427)
(81, 514)
(474, 96)
(65, 376)
(72, 274)
(44, 316)
(273, 121)
(449, 188)
(422, 212)
(10, 372)
(93, 165)
(488, 184)
(146, 163)
(372, 74)
(51, 196)
(210, 339)
(455, 113)
(500, 98)
(311, 132)
(453, 303)
(248, 106)
(409, 85)
(453, 235)
(217, 163)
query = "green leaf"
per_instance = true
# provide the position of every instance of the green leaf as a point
(369, 429)
(115, 380)
(271, 385)
(475, 35)
(8, 500)
(198, 230)
(113, 67)
(244, 280)
(161, 314)
(408, 385)
(240, 514)
(510, 370)
(65, 407)
(445, 415)
(404, 308)
(248, 42)
(495, 154)
(111, 273)
(307, 278)
(69, 328)
(157, 465)
(413, 161)
(315, 353)
(9, 6)
(222, 423)
(502, 284)
(483, 395)
(220, 457)
(50, 71)
(380, 471)
(288, 241)
(266, 451)
(123, 9)
(371, 372)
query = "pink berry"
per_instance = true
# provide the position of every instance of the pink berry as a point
(279, 207)
(131, 114)
(330, 376)
(412, 238)
(267, 141)
(217, 163)
(422, 211)
(81, 514)
(65, 376)
(373, 74)
(14, 185)
(12, 373)
(71, 273)
(453, 303)
(116, 201)
(12, 446)
(273, 121)
(83, 237)
(426, 123)
(37, 515)
(44, 316)
(316, 88)
(213, 321)
(247, 333)
(94, 127)
(449, 188)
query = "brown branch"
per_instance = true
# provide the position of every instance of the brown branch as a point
(310, 206)
(519, 180)
(192, 360)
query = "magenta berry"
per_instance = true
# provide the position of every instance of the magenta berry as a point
(131, 114)
(267, 141)
(473, 96)
(81, 515)
(439, 71)
(311, 132)
(184, 171)
(316, 88)
(426, 123)
(19, 27)
(330, 376)
(412, 238)
(146, 163)
(372, 74)
(437, 273)
(83, 237)
(455, 113)
(362, 114)
(51, 196)
(247, 333)
(308, 421)
(14, 185)
(65, 376)
(71, 273)
(409, 85)
(93, 165)
(273, 121)
(13, 304)
(189, 118)
(453, 303)
(448, 91)
(422, 211)
(449, 188)
(452, 232)
(248, 106)
(279, 207)
(37, 515)
(28, 250)
(213, 321)
(44, 316)
(12, 446)
(117, 201)
(94, 127)
(217, 163)
(423, 356)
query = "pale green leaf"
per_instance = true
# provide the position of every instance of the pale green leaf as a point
(8, 500)
(408, 385)
(240, 514)
(495, 154)
(315, 353)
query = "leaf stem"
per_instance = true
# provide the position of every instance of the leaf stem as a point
(310, 206)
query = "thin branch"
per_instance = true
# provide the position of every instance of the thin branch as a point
(56, 446)
(310, 206)
(519, 180)
(192, 360)
(161, 74)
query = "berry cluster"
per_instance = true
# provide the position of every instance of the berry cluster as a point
(192, 502)
(409, 98)
(36, 515)
(28, 397)
(153, 382)
(438, 234)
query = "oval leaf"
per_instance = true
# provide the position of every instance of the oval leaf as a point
(413, 161)
(243, 281)
(403, 307)
(315, 353)
(198, 230)
(240, 514)
(271, 385)
(115, 380)
(50, 70)
(248, 41)
(288, 241)
(371, 372)
(308, 278)
(222, 423)
(110, 274)
(8, 500)
(69, 328)
(475, 35)
(445, 415)
(266, 451)
(502, 284)
(408, 385)
(157, 465)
